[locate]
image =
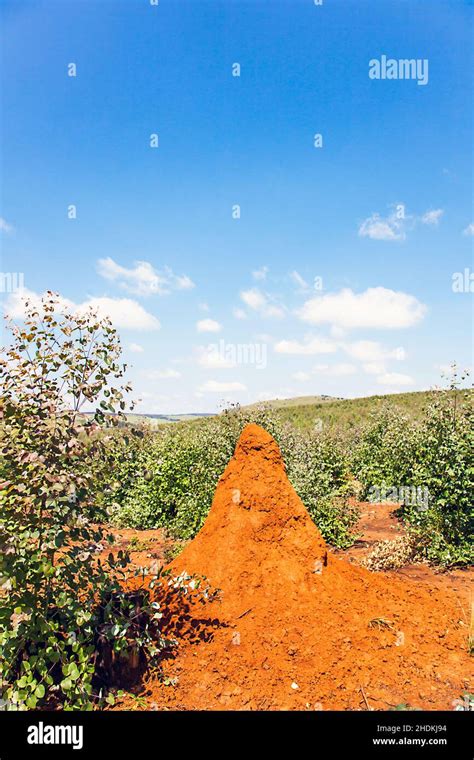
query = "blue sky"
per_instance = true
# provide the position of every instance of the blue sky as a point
(213, 308)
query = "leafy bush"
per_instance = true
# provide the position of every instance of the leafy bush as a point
(386, 450)
(445, 465)
(434, 454)
(66, 624)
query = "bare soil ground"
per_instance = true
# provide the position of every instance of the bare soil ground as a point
(208, 678)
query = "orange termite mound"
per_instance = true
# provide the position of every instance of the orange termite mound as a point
(258, 536)
(297, 628)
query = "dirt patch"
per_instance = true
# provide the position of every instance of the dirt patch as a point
(379, 522)
(147, 548)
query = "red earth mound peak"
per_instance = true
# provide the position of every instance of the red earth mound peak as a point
(258, 533)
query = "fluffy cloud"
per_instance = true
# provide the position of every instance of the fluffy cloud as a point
(394, 226)
(260, 274)
(239, 313)
(433, 216)
(378, 308)
(5, 226)
(14, 305)
(253, 298)
(143, 279)
(469, 230)
(310, 347)
(376, 227)
(335, 370)
(260, 302)
(213, 386)
(395, 378)
(209, 357)
(374, 368)
(162, 374)
(371, 351)
(123, 312)
(135, 348)
(208, 325)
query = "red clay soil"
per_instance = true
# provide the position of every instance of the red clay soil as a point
(298, 628)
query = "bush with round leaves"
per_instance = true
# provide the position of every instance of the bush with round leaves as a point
(67, 627)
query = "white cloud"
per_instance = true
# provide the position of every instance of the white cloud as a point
(260, 274)
(258, 301)
(5, 226)
(143, 279)
(162, 374)
(14, 305)
(208, 325)
(309, 347)
(273, 311)
(336, 370)
(376, 227)
(253, 298)
(395, 378)
(239, 313)
(179, 281)
(394, 226)
(433, 216)
(337, 332)
(374, 368)
(331, 370)
(213, 386)
(209, 357)
(469, 230)
(135, 348)
(371, 351)
(379, 308)
(123, 312)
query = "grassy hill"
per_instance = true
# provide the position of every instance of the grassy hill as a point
(304, 412)
(285, 403)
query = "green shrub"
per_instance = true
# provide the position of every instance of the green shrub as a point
(445, 465)
(64, 616)
(434, 454)
(385, 453)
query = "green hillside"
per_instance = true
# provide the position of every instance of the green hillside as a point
(305, 412)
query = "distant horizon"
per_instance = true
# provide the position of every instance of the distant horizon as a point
(291, 398)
